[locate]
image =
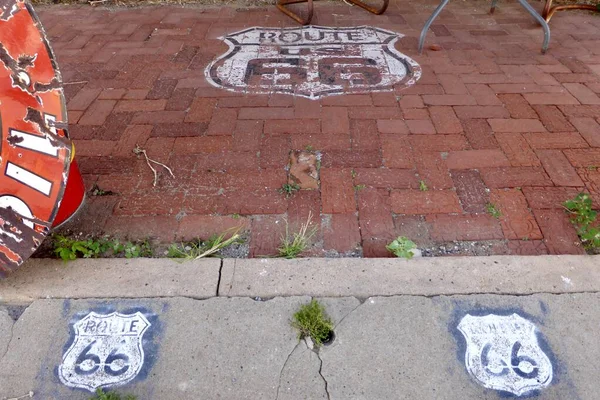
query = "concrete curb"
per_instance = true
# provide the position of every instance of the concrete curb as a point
(321, 277)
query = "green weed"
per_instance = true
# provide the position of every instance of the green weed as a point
(292, 244)
(493, 210)
(584, 219)
(359, 187)
(312, 321)
(423, 186)
(289, 189)
(69, 249)
(101, 395)
(402, 247)
(200, 249)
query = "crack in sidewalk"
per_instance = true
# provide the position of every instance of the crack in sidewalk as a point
(284, 365)
(322, 377)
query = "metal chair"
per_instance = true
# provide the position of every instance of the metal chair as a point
(281, 5)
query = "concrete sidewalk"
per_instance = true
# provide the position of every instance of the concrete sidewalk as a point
(404, 342)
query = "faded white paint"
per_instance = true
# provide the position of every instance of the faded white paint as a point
(312, 61)
(107, 351)
(18, 206)
(28, 178)
(503, 353)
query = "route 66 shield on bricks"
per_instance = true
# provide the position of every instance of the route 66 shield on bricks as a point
(107, 351)
(312, 61)
(503, 353)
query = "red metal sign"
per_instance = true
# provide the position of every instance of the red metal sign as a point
(35, 149)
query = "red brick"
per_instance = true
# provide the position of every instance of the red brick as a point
(420, 126)
(517, 150)
(392, 126)
(515, 88)
(274, 151)
(384, 99)
(472, 112)
(335, 120)
(351, 159)
(562, 140)
(421, 88)
(248, 202)
(550, 98)
(464, 227)
(433, 170)
(162, 89)
(205, 226)
(411, 101)
(337, 191)
(348, 100)
(558, 168)
(452, 84)
(376, 248)
(553, 119)
(415, 113)
(83, 99)
(139, 228)
(244, 101)
(292, 126)
(179, 129)
(97, 113)
(153, 203)
(413, 227)
(133, 135)
(473, 159)
(281, 100)
(516, 125)
(136, 94)
(584, 157)
(266, 233)
(202, 110)
(509, 177)
(591, 178)
(386, 178)
(202, 144)
(364, 135)
(479, 133)
(95, 148)
(445, 120)
(320, 142)
(582, 93)
(266, 113)
(416, 202)
(516, 220)
(158, 117)
(471, 191)
(517, 106)
(581, 111)
(374, 214)
(110, 94)
(583, 78)
(73, 116)
(341, 232)
(559, 234)
(140, 105)
(527, 247)
(549, 197)
(181, 100)
(302, 205)
(449, 100)
(589, 129)
(373, 112)
(483, 94)
(438, 143)
(396, 151)
(306, 108)
(223, 122)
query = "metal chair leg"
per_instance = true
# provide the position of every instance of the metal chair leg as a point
(281, 5)
(437, 12)
(541, 21)
(372, 9)
(493, 8)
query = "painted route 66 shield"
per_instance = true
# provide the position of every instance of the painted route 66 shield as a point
(34, 148)
(312, 61)
(107, 351)
(503, 353)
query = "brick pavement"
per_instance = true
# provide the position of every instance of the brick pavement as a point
(490, 121)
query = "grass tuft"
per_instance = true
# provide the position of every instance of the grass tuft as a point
(200, 249)
(292, 244)
(312, 321)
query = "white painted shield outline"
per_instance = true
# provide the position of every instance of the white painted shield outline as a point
(489, 355)
(413, 69)
(66, 369)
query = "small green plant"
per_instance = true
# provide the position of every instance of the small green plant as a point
(96, 191)
(137, 249)
(312, 321)
(199, 249)
(359, 187)
(289, 189)
(353, 174)
(423, 186)
(292, 244)
(69, 249)
(493, 210)
(402, 247)
(309, 148)
(101, 395)
(584, 219)
(235, 216)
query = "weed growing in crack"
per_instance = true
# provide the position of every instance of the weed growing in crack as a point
(423, 186)
(101, 395)
(294, 243)
(69, 249)
(312, 321)
(289, 189)
(199, 249)
(359, 187)
(584, 219)
(493, 210)
(402, 247)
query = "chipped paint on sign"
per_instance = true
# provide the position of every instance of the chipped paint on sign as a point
(107, 351)
(34, 148)
(503, 353)
(312, 61)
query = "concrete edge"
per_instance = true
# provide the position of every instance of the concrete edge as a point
(319, 277)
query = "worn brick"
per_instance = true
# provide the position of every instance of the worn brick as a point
(158, 227)
(157, 117)
(373, 112)
(471, 191)
(392, 126)
(416, 202)
(516, 219)
(587, 158)
(303, 206)
(527, 247)
(411, 101)
(433, 170)
(464, 227)
(583, 94)
(202, 144)
(266, 113)
(421, 126)
(162, 89)
(319, 142)
(266, 235)
(473, 159)
(140, 105)
(244, 101)
(559, 234)
(180, 100)
(479, 134)
(349, 100)
(483, 94)
(299, 126)
(589, 129)
(549, 197)
(223, 122)
(375, 215)
(516, 125)
(352, 159)
(472, 112)
(559, 140)
(335, 120)
(97, 113)
(83, 99)
(517, 106)
(134, 135)
(449, 100)
(396, 151)
(553, 119)
(581, 111)
(517, 150)
(384, 99)
(202, 110)
(550, 98)
(337, 191)
(386, 178)
(558, 168)
(445, 120)
(341, 233)
(452, 84)
(438, 143)
(512, 177)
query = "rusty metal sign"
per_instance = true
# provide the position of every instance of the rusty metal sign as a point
(312, 61)
(35, 149)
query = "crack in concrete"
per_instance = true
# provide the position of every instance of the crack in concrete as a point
(232, 277)
(283, 367)
(322, 377)
(219, 279)
(11, 335)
